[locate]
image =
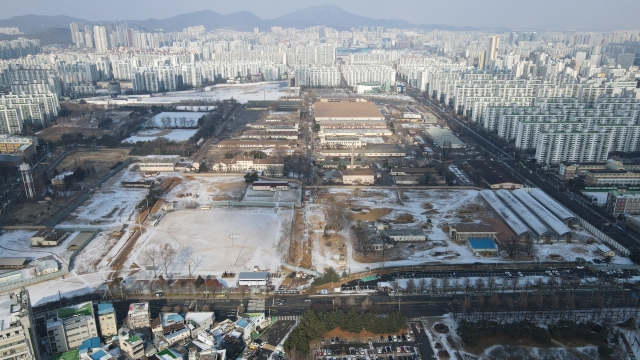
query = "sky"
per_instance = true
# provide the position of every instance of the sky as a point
(540, 14)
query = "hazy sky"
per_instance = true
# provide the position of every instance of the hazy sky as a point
(558, 14)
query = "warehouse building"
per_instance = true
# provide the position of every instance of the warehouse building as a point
(358, 177)
(494, 176)
(346, 111)
(270, 185)
(159, 163)
(444, 136)
(48, 237)
(519, 228)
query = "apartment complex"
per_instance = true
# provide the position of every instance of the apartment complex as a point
(107, 320)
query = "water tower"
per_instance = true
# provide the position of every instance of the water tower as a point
(27, 180)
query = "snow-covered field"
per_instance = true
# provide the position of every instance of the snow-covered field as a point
(203, 188)
(169, 134)
(175, 119)
(241, 92)
(111, 204)
(223, 239)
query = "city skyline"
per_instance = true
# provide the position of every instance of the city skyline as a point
(566, 15)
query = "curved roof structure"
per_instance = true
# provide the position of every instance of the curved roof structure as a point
(550, 203)
(518, 227)
(542, 212)
(525, 214)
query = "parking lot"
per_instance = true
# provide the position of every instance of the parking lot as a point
(376, 349)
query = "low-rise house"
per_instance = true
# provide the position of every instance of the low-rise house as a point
(250, 323)
(131, 343)
(159, 163)
(605, 251)
(199, 321)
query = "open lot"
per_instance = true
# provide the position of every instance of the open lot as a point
(174, 119)
(223, 239)
(100, 160)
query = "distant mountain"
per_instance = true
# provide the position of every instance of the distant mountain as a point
(32, 23)
(55, 29)
(49, 36)
(242, 21)
(334, 17)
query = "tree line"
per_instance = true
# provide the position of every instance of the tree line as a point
(314, 324)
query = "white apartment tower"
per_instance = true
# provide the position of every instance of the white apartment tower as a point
(492, 51)
(100, 38)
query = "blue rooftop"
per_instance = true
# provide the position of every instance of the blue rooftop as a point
(90, 343)
(482, 244)
(98, 354)
(242, 323)
(105, 309)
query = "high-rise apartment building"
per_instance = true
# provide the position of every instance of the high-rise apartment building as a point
(492, 51)
(101, 38)
(18, 336)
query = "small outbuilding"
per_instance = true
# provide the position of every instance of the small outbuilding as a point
(482, 246)
(605, 251)
(270, 185)
(48, 237)
(257, 278)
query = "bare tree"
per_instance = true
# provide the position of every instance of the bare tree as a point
(411, 286)
(444, 284)
(422, 285)
(479, 284)
(336, 217)
(167, 255)
(151, 253)
(511, 246)
(433, 284)
(514, 283)
(529, 247)
(467, 284)
(366, 303)
(491, 283)
(190, 258)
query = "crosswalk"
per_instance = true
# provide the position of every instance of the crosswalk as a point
(288, 317)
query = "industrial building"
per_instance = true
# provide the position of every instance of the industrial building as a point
(24, 146)
(534, 220)
(159, 163)
(444, 136)
(358, 177)
(377, 150)
(346, 111)
(18, 335)
(494, 176)
(48, 237)
(272, 167)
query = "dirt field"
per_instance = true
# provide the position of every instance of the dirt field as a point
(101, 160)
(54, 133)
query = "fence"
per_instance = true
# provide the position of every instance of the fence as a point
(233, 203)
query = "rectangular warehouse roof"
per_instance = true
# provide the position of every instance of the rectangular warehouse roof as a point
(347, 111)
(440, 136)
(256, 275)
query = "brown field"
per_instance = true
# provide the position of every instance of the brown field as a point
(372, 215)
(54, 133)
(101, 160)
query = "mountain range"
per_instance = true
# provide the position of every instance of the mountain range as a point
(39, 26)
